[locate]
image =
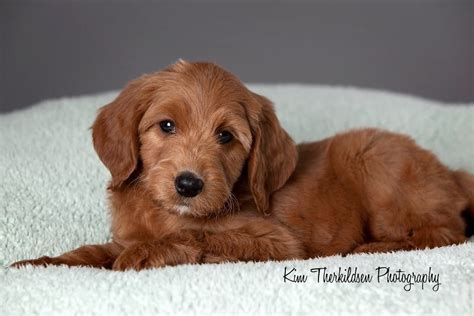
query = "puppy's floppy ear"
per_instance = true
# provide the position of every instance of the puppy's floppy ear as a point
(273, 155)
(115, 130)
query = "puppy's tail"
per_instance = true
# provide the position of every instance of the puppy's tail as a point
(466, 182)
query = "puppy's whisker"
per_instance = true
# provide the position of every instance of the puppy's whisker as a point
(231, 206)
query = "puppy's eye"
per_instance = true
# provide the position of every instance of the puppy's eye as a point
(224, 137)
(168, 127)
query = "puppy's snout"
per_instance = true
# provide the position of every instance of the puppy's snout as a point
(188, 184)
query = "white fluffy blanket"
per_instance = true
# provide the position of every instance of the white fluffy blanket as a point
(52, 199)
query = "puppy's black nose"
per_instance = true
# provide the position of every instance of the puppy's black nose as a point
(187, 184)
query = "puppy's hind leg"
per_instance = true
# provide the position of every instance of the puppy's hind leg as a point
(412, 199)
(422, 238)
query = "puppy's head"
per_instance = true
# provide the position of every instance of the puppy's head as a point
(187, 133)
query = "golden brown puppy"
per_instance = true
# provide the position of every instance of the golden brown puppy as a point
(202, 171)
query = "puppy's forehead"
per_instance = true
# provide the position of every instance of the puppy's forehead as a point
(203, 99)
(208, 93)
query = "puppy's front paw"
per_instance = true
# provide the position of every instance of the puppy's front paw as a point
(154, 255)
(43, 261)
(136, 258)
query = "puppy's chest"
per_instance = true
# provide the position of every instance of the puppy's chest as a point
(140, 219)
(137, 219)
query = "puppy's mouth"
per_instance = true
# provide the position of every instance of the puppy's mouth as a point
(182, 209)
(187, 210)
(230, 206)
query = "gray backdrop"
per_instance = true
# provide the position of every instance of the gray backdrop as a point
(58, 48)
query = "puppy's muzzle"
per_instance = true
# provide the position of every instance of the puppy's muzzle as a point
(188, 184)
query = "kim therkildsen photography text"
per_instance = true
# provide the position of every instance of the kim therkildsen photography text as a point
(408, 279)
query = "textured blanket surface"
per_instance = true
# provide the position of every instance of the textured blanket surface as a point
(53, 199)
